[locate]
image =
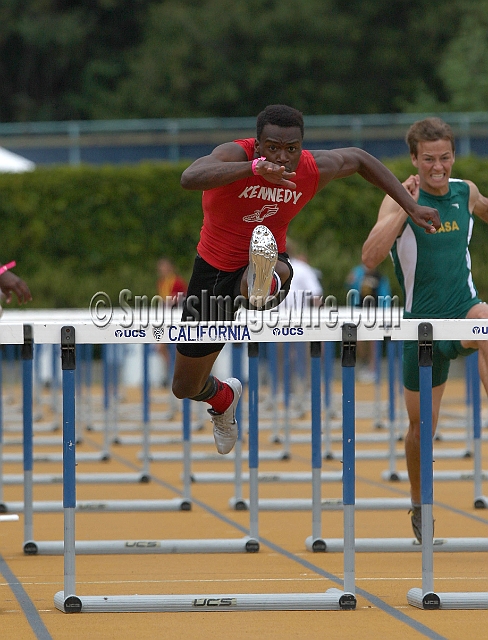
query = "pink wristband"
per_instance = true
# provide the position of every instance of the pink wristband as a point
(6, 267)
(254, 163)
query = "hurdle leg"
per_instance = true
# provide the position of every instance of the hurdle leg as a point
(27, 353)
(391, 351)
(480, 501)
(88, 384)
(349, 337)
(328, 393)
(402, 419)
(2, 504)
(272, 354)
(71, 603)
(429, 599)
(253, 353)
(186, 502)
(286, 400)
(318, 543)
(54, 381)
(106, 396)
(146, 408)
(378, 353)
(238, 502)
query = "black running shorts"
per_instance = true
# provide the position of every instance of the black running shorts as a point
(215, 295)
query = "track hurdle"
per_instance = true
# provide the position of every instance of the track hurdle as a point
(245, 544)
(426, 597)
(67, 601)
(316, 504)
(382, 545)
(28, 506)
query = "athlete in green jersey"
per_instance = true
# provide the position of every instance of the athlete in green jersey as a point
(422, 263)
(434, 272)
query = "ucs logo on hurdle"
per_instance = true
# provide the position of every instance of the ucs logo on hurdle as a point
(478, 330)
(288, 331)
(214, 602)
(130, 333)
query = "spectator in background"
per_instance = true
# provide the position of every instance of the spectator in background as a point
(170, 284)
(305, 292)
(172, 289)
(10, 283)
(368, 282)
(305, 288)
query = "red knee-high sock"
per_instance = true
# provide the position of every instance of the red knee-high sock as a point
(223, 397)
(275, 284)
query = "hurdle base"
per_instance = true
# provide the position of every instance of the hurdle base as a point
(331, 600)
(144, 547)
(439, 476)
(316, 545)
(265, 476)
(327, 504)
(416, 598)
(88, 478)
(239, 504)
(481, 502)
(462, 600)
(107, 506)
(397, 545)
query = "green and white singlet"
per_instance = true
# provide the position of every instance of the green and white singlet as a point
(434, 270)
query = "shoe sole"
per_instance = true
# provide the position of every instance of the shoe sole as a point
(263, 255)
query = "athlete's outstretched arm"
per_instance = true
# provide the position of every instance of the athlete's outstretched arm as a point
(478, 203)
(389, 225)
(227, 163)
(341, 163)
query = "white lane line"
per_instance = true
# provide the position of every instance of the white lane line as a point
(244, 580)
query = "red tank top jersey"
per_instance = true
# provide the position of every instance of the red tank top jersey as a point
(231, 213)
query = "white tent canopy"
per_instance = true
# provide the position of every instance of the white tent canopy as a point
(13, 163)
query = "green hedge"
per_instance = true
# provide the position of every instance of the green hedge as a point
(75, 231)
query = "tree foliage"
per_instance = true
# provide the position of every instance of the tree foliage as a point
(72, 59)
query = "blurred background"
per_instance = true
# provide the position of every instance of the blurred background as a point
(104, 102)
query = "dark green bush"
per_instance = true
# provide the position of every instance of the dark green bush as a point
(75, 231)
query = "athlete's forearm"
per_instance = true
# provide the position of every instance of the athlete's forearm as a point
(391, 220)
(208, 173)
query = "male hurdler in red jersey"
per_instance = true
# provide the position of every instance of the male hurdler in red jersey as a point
(252, 189)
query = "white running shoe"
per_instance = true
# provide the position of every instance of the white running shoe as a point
(225, 424)
(263, 255)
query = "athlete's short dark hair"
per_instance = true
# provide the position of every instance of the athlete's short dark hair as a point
(280, 115)
(429, 129)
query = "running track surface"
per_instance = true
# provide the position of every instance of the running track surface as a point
(28, 583)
